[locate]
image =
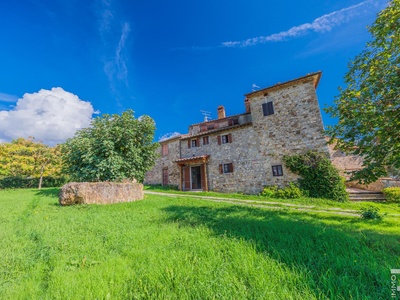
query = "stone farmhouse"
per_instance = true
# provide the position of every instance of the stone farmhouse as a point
(243, 153)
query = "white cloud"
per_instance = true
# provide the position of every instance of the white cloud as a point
(50, 116)
(321, 24)
(8, 98)
(168, 136)
(114, 36)
(120, 57)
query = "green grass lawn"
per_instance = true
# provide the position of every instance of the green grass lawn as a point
(186, 248)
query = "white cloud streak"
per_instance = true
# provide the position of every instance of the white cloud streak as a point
(120, 57)
(8, 98)
(322, 24)
(50, 116)
(115, 53)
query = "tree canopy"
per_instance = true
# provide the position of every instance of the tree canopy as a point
(113, 148)
(27, 158)
(368, 108)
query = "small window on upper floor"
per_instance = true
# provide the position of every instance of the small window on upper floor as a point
(268, 108)
(164, 149)
(225, 139)
(205, 140)
(277, 170)
(194, 143)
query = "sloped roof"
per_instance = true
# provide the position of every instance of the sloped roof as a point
(314, 76)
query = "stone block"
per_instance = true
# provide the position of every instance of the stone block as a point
(100, 192)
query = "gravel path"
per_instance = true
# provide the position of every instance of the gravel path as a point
(267, 204)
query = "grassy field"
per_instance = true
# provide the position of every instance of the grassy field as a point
(186, 248)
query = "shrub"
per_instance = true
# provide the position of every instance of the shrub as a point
(371, 213)
(319, 178)
(289, 192)
(392, 194)
(19, 182)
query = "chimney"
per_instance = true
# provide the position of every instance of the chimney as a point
(221, 112)
(247, 105)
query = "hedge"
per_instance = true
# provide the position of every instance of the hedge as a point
(17, 182)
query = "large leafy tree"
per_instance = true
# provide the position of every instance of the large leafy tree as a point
(113, 148)
(368, 108)
(27, 158)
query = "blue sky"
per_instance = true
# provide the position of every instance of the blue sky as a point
(63, 62)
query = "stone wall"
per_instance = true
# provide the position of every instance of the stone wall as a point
(100, 192)
(154, 176)
(243, 152)
(345, 163)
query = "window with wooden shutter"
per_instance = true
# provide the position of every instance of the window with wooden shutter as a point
(277, 170)
(225, 139)
(189, 144)
(268, 109)
(164, 151)
(206, 140)
(226, 168)
(219, 140)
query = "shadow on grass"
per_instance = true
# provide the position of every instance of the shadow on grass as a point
(339, 262)
(48, 192)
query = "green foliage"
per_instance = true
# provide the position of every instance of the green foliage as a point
(319, 178)
(18, 182)
(159, 187)
(289, 192)
(113, 148)
(392, 194)
(368, 109)
(26, 158)
(371, 213)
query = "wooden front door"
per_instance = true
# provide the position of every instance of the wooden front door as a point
(165, 176)
(195, 173)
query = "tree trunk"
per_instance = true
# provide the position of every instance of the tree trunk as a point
(41, 177)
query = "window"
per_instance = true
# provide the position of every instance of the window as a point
(194, 143)
(226, 168)
(268, 109)
(164, 149)
(277, 170)
(205, 140)
(225, 139)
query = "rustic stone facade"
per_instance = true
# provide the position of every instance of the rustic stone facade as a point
(243, 153)
(166, 164)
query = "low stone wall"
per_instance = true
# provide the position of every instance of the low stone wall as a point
(100, 192)
(376, 186)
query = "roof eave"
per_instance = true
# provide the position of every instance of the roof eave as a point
(316, 76)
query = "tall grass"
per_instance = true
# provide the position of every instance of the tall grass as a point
(185, 248)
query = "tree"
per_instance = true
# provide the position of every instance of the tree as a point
(27, 158)
(368, 109)
(113, 148)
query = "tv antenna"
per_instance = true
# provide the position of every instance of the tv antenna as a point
(206, 115)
